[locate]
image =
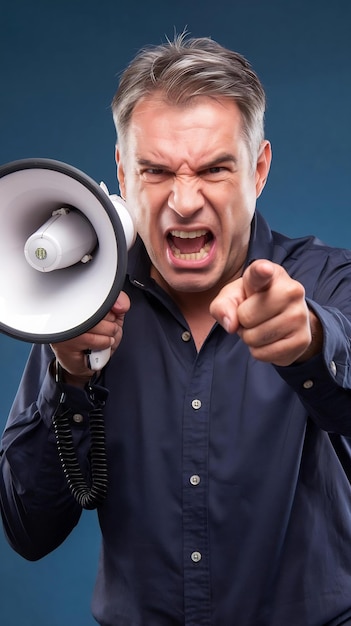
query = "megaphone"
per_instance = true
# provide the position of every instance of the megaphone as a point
(63, 251)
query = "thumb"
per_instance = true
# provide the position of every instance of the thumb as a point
(122, 305)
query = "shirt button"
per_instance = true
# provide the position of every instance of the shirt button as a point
(195, 479)
(78, 418)
(186, 336)
(308, 384)
(333, 368)
(196, 404)
(196, 557)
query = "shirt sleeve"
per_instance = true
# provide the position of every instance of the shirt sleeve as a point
(324, 382)
(38, 510)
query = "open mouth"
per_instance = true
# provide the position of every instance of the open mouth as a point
(190, 245)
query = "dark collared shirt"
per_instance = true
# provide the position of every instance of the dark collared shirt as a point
(228, 501)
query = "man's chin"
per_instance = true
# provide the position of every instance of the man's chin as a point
(184, 280)
(189, 283)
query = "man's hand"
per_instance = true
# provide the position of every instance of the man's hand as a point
(106, 334)
(268, 310)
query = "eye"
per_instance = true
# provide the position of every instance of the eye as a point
(216, 169)
(215, 172)
(155, 174)
(153, 170)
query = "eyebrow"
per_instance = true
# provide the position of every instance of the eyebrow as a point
(148, 163)
(222, 158)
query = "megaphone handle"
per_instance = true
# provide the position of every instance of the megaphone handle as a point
(97, 359)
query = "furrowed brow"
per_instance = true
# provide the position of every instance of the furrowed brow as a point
(222, 158)
(148, 163)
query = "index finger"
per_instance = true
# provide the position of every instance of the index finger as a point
(258, 276)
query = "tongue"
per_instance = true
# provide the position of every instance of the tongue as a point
(187, 246)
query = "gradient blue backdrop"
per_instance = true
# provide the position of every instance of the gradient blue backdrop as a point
(59, 66)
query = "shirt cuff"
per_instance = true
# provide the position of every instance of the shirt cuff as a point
(332, 366)
(79, 402)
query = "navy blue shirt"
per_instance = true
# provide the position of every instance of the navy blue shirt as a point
(229, 498)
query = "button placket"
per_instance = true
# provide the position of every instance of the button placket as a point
(195, 486)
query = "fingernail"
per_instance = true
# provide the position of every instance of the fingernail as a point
(226, 323)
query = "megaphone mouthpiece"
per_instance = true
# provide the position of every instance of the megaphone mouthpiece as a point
(63, 240)
(124, 215)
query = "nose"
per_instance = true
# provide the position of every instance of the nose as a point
(186, 196)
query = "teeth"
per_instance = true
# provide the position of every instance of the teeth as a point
(193, 256)
(183, 234)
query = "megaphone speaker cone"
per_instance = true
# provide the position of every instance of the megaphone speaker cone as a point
(50, 306)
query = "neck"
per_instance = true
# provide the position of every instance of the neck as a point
(194, 307)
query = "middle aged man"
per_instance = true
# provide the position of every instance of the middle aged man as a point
(228, 402)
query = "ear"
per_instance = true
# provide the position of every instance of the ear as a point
(120, 173)
(263, 165)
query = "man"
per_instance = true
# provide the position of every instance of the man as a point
(227, 400)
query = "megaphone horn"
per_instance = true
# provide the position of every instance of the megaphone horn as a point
(63, 251)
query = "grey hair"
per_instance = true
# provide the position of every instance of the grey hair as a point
(185, 68)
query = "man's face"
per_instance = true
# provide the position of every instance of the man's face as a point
(187, 179)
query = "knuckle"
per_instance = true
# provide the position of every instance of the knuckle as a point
(246, 314)
(296, 290)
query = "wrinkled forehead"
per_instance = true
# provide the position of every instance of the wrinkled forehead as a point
(184, 138)
(154, 115)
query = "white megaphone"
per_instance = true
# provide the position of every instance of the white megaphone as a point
(63, 252)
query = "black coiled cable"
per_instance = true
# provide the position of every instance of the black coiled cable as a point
(88, 496)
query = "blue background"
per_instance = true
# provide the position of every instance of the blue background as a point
(59, 67)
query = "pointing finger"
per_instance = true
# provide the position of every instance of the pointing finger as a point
(258, 276)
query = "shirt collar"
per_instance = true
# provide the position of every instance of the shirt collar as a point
(261, 240)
